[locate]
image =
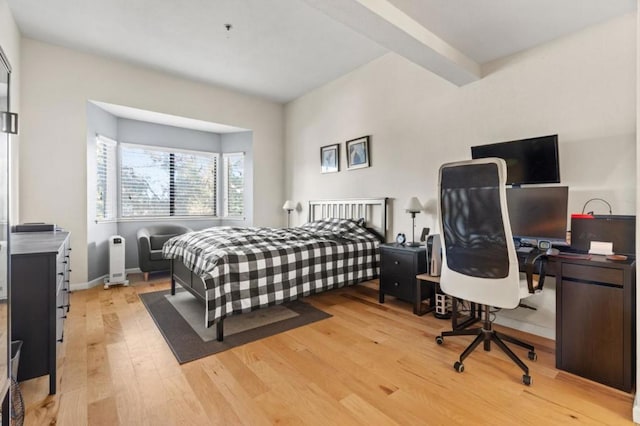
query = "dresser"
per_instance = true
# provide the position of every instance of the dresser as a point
(399, 265)
(596, 319)
(39, 299)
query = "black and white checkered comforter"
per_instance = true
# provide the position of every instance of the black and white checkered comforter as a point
(249, 268)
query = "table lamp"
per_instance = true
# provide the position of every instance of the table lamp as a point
(289, 206)
(413, 207)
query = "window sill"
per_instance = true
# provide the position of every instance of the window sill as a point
(167, 218)
(105, 221)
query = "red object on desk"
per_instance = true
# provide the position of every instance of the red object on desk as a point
(581, 216)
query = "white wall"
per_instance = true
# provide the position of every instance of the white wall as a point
(242, 142)
(10, 41)
(581, 87)
(103, 123)
(57, 83)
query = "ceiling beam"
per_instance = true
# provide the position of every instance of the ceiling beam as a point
(382, 22)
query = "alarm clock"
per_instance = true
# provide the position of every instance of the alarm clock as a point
(401, 238)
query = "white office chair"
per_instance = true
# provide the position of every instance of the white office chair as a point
(479, 260)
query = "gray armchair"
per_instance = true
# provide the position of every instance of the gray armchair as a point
(150, 242)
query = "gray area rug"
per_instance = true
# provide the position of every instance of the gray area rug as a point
(180, 319)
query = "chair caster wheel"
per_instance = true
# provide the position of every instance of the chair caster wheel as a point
(532, 356)
(439, 340)
(527, 380)
(458, 366)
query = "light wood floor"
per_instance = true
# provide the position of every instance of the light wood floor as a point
(369, 364)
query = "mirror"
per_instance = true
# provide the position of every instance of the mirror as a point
(5, 70)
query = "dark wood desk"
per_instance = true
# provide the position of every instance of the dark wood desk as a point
(595, 319)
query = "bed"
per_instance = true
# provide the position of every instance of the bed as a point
(236, 270)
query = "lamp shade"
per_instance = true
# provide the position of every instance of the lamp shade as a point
(414, 206)
(289, 205)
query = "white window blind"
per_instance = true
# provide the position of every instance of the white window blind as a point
(159, 182)
(233, 170)
(195, 176)
(106, 185)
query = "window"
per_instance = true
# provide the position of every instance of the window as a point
(159, 182)
(233, 170)
(106, 188)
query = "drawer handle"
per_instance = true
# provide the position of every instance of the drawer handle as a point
(69, 249)
(396, 262)
(64, 261)
(61, 273)
(396, 284)
(60, 340)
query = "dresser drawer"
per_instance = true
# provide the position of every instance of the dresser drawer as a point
(61, 265)
(60, 309)
(397, 263)
(593, 273)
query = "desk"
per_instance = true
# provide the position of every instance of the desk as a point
(595, 319)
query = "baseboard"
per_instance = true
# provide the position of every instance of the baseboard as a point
(85, 285)
(98, 281)
(526, 327)
(636, 408)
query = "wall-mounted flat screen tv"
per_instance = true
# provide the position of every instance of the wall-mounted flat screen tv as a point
(533, 160)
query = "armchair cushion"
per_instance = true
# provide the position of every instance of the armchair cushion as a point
(156, 255)
(157, 241)
(150, 241)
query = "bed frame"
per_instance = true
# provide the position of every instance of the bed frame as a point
(372, 210)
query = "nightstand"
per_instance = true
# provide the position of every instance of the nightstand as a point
(399, 266)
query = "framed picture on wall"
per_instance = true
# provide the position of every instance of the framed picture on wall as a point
(330, 158)
(358, 153)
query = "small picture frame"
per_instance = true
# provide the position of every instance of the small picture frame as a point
(358, 153)
(330, 158)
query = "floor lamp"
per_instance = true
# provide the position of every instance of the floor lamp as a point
(413, 207)
(289, 206)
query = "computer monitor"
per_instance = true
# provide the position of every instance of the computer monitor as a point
(538, 213)
(529, 161)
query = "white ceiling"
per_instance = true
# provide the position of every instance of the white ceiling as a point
(281, 49)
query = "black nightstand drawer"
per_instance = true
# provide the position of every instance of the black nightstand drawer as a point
(398, 286)
(397, 263)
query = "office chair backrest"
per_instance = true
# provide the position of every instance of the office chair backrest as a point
(479, 261)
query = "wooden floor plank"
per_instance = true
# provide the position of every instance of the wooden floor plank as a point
(369, 363)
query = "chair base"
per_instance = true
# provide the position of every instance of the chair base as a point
(486, 335)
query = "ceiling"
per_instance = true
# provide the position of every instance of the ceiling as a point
(281, 49)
